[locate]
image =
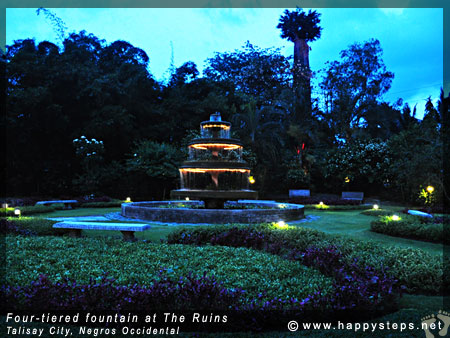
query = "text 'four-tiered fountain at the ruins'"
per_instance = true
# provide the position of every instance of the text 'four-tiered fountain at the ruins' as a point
(215, 171)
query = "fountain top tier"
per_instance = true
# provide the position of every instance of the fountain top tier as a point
(215, 127)
(215, 170)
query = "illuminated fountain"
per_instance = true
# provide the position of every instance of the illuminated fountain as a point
(215, 171)
(214, 186)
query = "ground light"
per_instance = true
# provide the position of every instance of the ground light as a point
(430, 189)
(5, 205)
(17, 212)
(281, 225)
(251, 180)
(395, 218)
(321, 203)
(376, 207)
(128, 199)
(187, 198)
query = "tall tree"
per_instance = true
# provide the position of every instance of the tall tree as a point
(354, 86)
(301, 28)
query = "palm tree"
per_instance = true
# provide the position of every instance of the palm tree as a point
(301, 28)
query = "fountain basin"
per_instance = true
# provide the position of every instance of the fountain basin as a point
(242, 212)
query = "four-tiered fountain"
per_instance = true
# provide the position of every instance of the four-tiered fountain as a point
(215, 171)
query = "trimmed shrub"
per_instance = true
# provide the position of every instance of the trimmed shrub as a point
(377, 212)
(412, 227)
(415, 269)
(104, 295)
(357, 285)
(337, 207)
(8, 227)
(111, 204)
(37, 226)
(325, 200)
(258, 273)
(31, 210)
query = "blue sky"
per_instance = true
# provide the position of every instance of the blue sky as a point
(412, 39)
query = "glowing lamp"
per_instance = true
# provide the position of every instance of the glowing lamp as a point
(347, 180)
(17, 212)
(321, 203)
(281, 225)
(395, 218)
(430, 189)
(5, 205)
(376, 207)
(187, 198)
(251, 180)
(128, 199)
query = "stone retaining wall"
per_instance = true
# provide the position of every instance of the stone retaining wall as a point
(152, 211)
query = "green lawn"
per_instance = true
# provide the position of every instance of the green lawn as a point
(353, 223)
(347, 223)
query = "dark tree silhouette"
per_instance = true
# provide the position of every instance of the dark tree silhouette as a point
(301, 28)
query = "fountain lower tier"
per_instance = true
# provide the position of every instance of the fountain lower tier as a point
(214, 199)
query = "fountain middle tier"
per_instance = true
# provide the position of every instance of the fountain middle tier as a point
(215, 150)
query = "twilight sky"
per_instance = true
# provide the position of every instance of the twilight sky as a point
(412, 39)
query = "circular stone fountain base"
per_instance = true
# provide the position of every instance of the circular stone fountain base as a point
(214, 199)
(241, 212)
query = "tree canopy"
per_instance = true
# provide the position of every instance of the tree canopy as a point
(88, 117)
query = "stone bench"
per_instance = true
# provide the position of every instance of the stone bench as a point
(127, 229)
(299, 193)
(67, 203)
(353, 195)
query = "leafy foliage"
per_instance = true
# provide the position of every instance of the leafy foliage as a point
(103, 294)
(353, 87)
(36, 226)
(253, 271)
(360, 164)
(412, 227)
(417, 270)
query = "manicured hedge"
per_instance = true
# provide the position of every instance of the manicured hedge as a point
(257, 273)
(36, 226)
(111, 204)
(327, 201)
(377, 212)
(327, 207)
(412, 227)
(8, 227)
(31, 210)
(415, 269)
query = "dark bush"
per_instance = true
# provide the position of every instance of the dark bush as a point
(184, 293)
(37, 226)
(419, 228)
(378, 212)
(327, 201)
(8, 227)
(31, 210)
(417, 270)
(110, 204)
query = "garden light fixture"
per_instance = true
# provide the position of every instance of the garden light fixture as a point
(430, 189)
(395, 218)
(281, 225)
(17, 212)
(251, 180)
(128, 199)
(376, 207)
